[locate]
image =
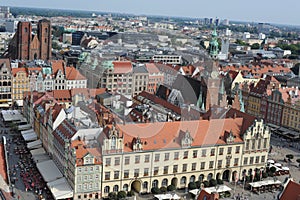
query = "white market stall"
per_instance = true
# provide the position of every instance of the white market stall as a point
(60, 189)
(49, 170)
(166, 196)
(35, 144)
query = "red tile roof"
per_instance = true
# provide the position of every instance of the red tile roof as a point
(168, 134)
(151, 68)
(14, 71)
(122, 67)
(73, 74)
(3, 169)
(291, 191)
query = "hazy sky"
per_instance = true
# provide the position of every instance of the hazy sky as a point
(283, 12)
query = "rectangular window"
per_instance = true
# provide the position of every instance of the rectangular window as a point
(147, 158)
(229, 150)
(253, 144)
(175, 168)
(251, 160)
(117, 161)
(176, 155)
(107, 161)
(202, 165)
(155, 171)
(212, 152)
(259, 144)
(203, 154)
(195, 153)
(167, 156)
(221, 150)
(263, 159)
(107, 175)
(245, 161)
(211, 164)
(236, 162)
(127, 159)
(185, 154)
(237, 149)
(156, 158)
(247, 144)
(219, 163)
(116, 174)
(265, 143)
(126, 173)
(166, 169)
(193, 166)
(257, 159)
(184, 167)
(136, 173)
(137, 159)
(146, 171)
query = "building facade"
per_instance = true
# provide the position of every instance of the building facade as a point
(5, 84)
(26, 46)
(135, 162)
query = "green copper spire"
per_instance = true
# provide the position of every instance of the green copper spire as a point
(214, 45)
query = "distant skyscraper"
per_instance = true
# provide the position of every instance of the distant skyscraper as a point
(225, 45)
(217, 21)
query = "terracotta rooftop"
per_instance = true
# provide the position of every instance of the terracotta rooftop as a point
(73, 74)
(3, 171)
(152, 68)
(291, 191)
(169, 134)
(82, 150)
(14, 71)
(122, 67)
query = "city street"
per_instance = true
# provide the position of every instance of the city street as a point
(18, 188)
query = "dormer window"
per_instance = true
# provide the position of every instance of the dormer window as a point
(187, 140)
(113, 142)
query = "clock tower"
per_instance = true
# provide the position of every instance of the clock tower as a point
(215, 91)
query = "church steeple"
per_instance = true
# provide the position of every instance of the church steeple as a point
(214, 45)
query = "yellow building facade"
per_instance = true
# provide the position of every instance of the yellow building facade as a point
(20, 83)
(133, 161)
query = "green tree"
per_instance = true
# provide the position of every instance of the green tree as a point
(192, 185)
(255, 46)
(155, 190)
(205, 183)
(113, 196)
(290, 156)
(130, 193)
(171, 188)
(212, 182)
(220, 181)
(163, 189)
(240, 42)
(121, 195)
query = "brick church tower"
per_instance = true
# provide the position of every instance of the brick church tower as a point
(23, 40)
(44, 35)
(26, 45)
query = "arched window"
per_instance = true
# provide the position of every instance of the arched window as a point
(183, 180)
(113, 142)
(155, 183)
(25, 29)
(164, 182)
(125, 187)
(116, 188)
(106, 189)
(145, 185)
(46, 30)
